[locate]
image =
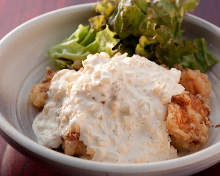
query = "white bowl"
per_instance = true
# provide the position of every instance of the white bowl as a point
(23, 57)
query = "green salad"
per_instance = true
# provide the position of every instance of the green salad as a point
(150, 29)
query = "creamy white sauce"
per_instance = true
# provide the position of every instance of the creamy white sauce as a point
(120, 104)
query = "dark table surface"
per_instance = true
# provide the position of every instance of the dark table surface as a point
(15, 12)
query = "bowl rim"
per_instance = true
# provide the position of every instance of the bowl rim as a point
(9, 131)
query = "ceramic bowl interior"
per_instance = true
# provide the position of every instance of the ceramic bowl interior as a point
(23, 58)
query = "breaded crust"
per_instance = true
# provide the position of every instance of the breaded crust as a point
(38, 95)
(188, 122)
(196, 83)
(73, 146)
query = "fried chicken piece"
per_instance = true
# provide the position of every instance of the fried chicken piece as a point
(188, 122)
(196, 83)
(38, 95)
(73, 146)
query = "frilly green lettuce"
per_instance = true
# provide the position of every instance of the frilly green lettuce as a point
(186, 54)
(104, 9)
(141, 17)
(157, 26)
(145, 27)
(84, 41)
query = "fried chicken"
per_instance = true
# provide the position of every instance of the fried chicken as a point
(187, 119)
(73, 146)
(196, 83)
(38, 95)
(188, 122)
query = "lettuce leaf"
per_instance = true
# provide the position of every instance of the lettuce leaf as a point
(84, 41)
(97, 22)
(104, 9)
(157, 26)
(127, 18)
(187, 54)
(133, 17)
